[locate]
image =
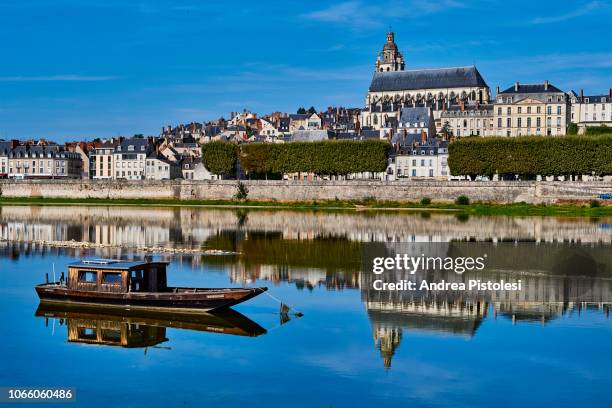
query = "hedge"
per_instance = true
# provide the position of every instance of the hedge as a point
(219, 157)
(532, 155)
(324, 157)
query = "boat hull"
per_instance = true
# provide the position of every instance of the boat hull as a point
(181, 300)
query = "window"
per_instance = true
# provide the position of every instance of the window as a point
(539, 109)
(499, 122)
(559, 110)
(528, 122)
(88, 276)
(499, 110)
(112, 278)
(430, 172)
(529, 109)
(508, 122)
(414, 163)
(520, 109)
(538, 122)
(413, 172)
(518, 122)
(509, 111)
(549, 110)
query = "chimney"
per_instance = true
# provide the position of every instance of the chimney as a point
(610, 93)
(423, 137)
(497, 93)
(462, 105)
(516, 86)
(546, 85)
(581, 94)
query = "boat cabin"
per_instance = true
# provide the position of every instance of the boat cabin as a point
(117, 276)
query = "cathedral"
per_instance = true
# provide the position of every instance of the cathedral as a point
(393, 88)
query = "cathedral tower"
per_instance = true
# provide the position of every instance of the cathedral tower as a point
(390, 59)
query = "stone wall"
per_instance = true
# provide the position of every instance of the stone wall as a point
(500, 192)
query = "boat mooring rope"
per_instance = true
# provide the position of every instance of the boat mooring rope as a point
(296, 313)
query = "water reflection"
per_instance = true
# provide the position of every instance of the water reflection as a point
(135, 329)
(565, 264)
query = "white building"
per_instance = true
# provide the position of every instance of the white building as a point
(592, 110)
(43, 161)
(473, 119)
(193, 169)
(531, 109)
(160, 168)
(130, 158)
(424, 159)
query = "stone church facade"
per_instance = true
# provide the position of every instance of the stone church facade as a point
(393, 88)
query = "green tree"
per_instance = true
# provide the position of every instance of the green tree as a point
(301, 110)
(572, 129)
(219, 157)
(531, 155)
(330, 157)
(312, 110)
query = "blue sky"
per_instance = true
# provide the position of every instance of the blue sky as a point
(82, 69)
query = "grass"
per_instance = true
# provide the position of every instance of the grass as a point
(518, 209)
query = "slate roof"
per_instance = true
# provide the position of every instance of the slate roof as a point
(456, 77)
(531, 88)
(5, 148)
(140, 145)
(415, 115)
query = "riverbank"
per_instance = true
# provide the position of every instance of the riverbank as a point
(517, 209)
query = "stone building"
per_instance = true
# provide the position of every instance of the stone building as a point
(392, 88)
(590, 110)
(418, 157)
(531, 109)
(101, 163)
(130, 158)
(43, 161)
(160, 168)
(475, 119)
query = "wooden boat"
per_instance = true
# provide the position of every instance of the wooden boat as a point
(127, 285)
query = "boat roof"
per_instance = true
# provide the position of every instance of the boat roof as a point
(119, 264)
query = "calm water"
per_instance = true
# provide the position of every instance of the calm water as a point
(549, 345)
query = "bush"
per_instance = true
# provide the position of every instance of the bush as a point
(462, 200)
(531, 155)
(598, 130)
(572, 129)
(425, 201)
(219, 157)
(242, 191)
(595, 204)
(324, 158)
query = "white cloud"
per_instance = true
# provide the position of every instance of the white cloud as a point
(362, 15)
(580, 10)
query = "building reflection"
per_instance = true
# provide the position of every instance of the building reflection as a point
(565, 265)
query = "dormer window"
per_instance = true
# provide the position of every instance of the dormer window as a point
(130, 148)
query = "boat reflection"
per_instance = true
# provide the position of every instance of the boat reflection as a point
(134, 329)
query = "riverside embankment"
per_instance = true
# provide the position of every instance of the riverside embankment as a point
(495, 192)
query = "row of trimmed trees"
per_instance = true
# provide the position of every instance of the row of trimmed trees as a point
(531, 155)
(322, 158)
(525, 156)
